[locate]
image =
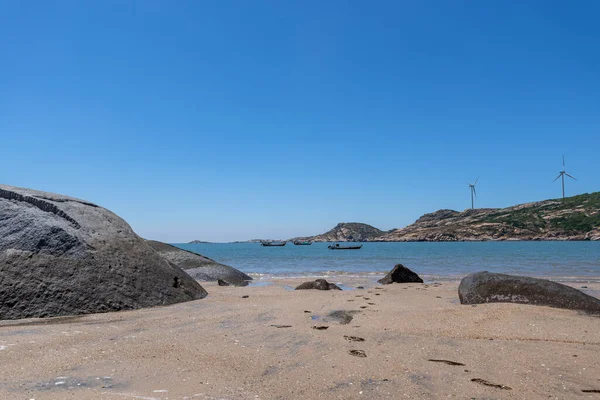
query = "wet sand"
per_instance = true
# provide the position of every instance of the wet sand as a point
(264, 346)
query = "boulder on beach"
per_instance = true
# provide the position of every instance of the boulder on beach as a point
(319, 284)
(199, 267)
(486, 287)
(400, 274)
(62, 256)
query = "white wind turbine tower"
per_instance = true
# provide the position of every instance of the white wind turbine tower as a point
(473, 192)
(561, 175)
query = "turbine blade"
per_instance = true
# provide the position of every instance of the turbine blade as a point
(563, 160)
(475, 191)
(572, 177)
(557, 177)
(476, 180)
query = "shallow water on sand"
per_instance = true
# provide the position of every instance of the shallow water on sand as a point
(568, 261)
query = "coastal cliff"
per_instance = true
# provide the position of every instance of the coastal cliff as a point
(572, 218)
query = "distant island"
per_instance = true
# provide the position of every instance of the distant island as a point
(346, 232)
(198, 242)
(571, 218)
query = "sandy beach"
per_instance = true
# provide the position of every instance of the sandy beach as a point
(265, 346)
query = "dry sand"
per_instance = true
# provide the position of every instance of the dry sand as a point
(227, 347)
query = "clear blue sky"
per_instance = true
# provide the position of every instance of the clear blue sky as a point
(231, 120)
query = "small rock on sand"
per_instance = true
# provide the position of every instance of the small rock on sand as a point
(319, 284)
(342, 317)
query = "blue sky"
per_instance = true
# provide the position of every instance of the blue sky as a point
(231, 120)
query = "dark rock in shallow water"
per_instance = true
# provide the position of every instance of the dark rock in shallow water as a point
(486, 287)
(400, 274)
(62, 256)
(199, 267)
(319, 284)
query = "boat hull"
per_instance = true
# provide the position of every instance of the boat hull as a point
(344, 247)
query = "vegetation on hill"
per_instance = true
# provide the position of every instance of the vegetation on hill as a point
(572, 218)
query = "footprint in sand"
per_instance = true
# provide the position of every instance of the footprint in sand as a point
(446, 362)
(353, 338)
(371, 304)
(590, 390)
(320, 328)
(357, 353)
(490, 384)
(363, 306)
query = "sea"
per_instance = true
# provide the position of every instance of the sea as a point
(561, 261)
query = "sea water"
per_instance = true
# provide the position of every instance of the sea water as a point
(566, 261)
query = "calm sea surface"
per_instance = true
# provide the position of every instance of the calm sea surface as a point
(559, 260)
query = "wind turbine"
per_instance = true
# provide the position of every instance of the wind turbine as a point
(473, 192)
(561, 175)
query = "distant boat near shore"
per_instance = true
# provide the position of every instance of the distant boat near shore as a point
(338, 247)
(302, 242)
(273, 244)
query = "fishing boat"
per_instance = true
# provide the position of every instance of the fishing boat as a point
(302, 243)
(338, 247)
(273, 244)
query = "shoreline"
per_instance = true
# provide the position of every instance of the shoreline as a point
(264, 346)
(372, 277)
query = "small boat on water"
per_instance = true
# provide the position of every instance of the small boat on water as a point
(338, 247)
(273, 244)
(302, 242)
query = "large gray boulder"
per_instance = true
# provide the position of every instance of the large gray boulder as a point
(199, 267)
(486, 287)
(400, 274)
(62, 256)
